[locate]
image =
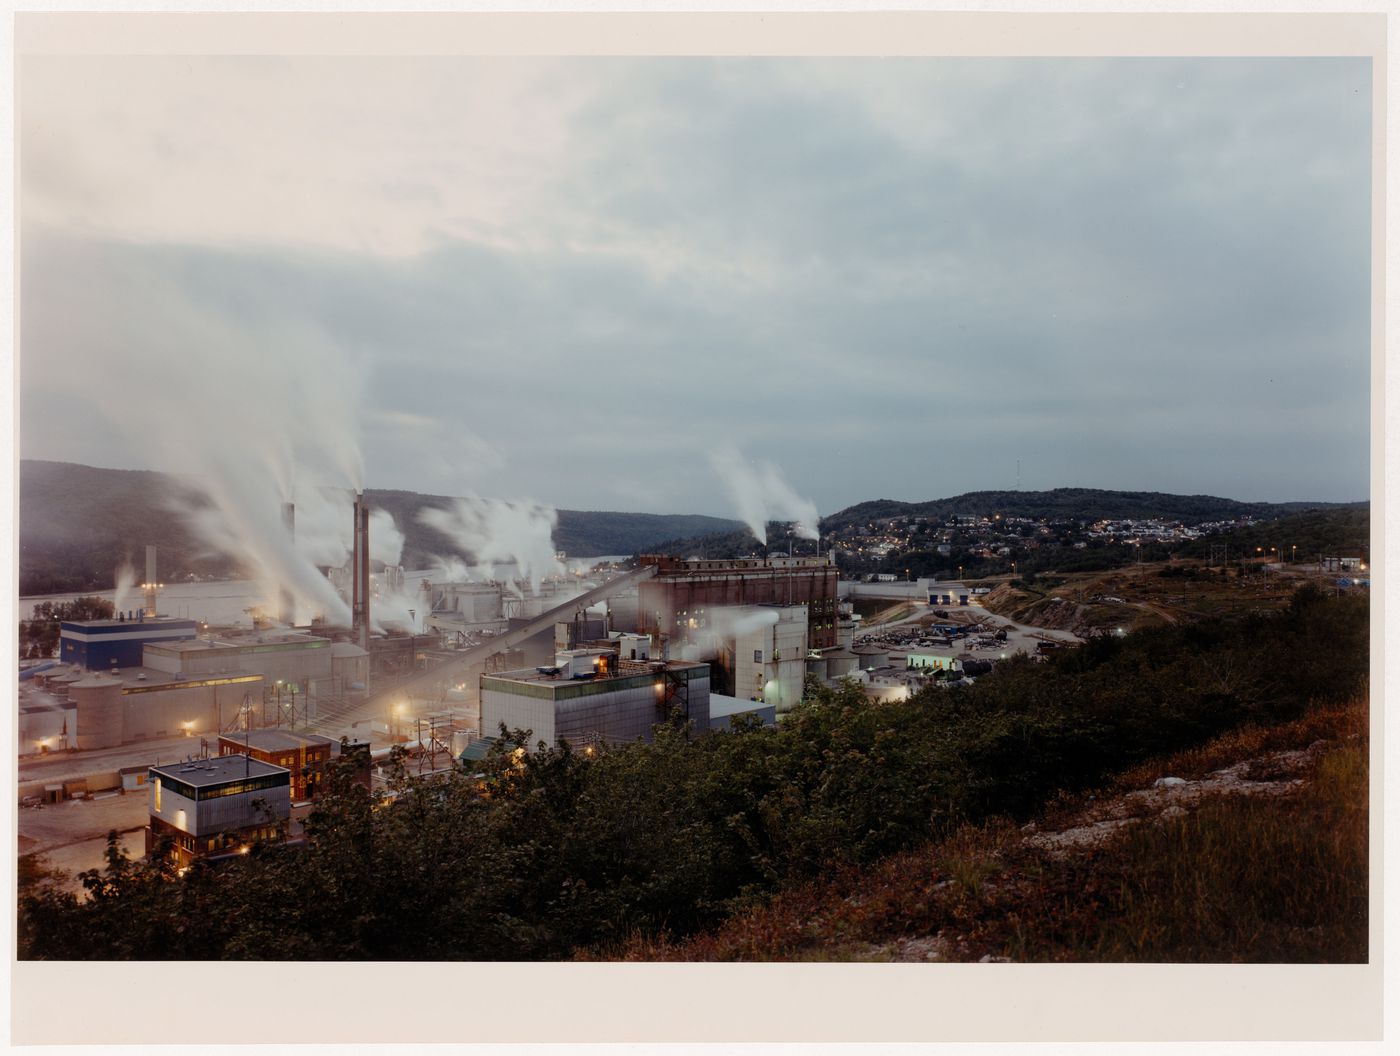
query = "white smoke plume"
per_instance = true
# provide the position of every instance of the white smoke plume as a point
(323, 525)
(385, 539)
(761, 495)
(126, 586)
(495, 531)
(247, 526)
(450, 570)
(401, 610)
(730, 622)
(246, 408)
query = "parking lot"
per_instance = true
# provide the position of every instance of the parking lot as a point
(72, 835)
(982, 643)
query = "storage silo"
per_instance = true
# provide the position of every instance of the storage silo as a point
(839, 662)
(817, 667)
(100, 718)
(872, 656)
(59, 684)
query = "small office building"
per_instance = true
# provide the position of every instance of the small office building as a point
(218, 806)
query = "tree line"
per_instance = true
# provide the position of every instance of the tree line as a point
(38, 637)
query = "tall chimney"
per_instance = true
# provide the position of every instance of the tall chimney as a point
(149, 587)
(359, 574)
(289, 518)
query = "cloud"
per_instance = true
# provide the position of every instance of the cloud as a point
(892, 277)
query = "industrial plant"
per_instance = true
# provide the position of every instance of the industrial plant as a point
(428, 668)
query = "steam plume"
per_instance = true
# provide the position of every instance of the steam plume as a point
(761, 495)
(385, 539)
(493, 530)
(126, 586)
(249, 408)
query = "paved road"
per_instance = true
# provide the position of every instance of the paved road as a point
(62, 766)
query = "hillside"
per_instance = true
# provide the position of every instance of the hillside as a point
(1084, 880)
(1084, 504)
(78, 523)
(1300, 531)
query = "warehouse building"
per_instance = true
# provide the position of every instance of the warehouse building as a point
(304, 755)
(681, 597)
(98, 645)
(592, 697)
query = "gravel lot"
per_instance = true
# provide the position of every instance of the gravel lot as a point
(73, 835)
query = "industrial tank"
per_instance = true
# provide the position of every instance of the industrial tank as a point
(839, 662)
(872, 656)
(817, 668)
(99, 701)
(59, 685)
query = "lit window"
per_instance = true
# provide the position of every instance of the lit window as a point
(157, 795)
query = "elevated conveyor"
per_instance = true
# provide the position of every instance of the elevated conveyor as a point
(378, 703)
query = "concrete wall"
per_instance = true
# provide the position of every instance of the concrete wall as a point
(517, 712)
(163, 712)
(622, 611)
(588, 712)
(777, 678)
(296, 662)
(47, 723)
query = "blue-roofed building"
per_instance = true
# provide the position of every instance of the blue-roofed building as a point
(98, 645)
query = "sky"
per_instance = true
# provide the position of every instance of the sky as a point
(588, 282)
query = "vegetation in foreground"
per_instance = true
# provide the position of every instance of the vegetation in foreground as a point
(1249, 876)
(553, 852)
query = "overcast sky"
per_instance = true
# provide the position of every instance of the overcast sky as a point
(571, 280)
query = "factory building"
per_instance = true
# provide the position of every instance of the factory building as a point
(285, 656)
(770, 654)
(47, 727)
(593, 696)
(209, 807)
(304, 755)
(104, 709)
(682, 594)
(724, 710)
(99, 645)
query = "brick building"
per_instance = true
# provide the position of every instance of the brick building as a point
(304, 755)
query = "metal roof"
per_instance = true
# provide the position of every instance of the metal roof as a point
(275, 739)
(217, 770)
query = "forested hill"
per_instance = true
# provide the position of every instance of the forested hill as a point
(1310, 525)
(78, 523)
(1085, 504)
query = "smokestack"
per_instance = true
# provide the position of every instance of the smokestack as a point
(359, 574)
(149, 587)
(289, 518)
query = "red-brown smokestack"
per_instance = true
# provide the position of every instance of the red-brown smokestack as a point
(288, 614)
(359, 606)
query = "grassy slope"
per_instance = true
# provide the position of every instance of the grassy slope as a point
(1279, 878)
